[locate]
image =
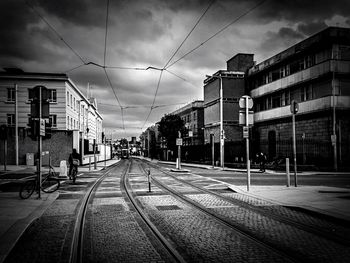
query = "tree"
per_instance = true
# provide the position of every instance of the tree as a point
(169, 126)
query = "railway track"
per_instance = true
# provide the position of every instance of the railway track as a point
(78, 247)
(335, 243)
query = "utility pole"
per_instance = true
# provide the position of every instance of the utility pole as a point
(222, 133)
(294, 107)
(16, 122)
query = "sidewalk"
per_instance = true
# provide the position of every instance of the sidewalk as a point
(17, 214)
(330, 201)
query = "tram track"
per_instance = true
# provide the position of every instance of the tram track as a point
(289, 253)
(77, 247)
(326, 230)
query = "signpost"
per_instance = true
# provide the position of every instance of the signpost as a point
(179, 144)
(294, 108)
(246, 119)
(39, 110)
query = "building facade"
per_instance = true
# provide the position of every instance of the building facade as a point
(193, 116)
(71, 113)
(231, 83)
(316, 74)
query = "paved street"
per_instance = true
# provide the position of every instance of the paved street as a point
(324, 205)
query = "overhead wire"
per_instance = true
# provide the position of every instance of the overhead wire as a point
(218, 32)
(162, 69)
(105, 50)
(53, 29)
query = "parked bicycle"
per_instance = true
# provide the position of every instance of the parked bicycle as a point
(49, 184)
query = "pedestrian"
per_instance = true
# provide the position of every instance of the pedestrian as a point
(73, 160)
(262, 159)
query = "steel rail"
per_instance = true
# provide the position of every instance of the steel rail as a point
(173, 252)
(76, 252)
(321, 233)
(288, 255)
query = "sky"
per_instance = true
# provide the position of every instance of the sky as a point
(64, 36)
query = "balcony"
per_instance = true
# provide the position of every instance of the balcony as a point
(341, 102)
(298, 77)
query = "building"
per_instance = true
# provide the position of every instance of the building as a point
(74, 118)
(193, 116)
(316, 74)
(222, 92)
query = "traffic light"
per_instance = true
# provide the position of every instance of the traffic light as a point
(48, 130)
(3, 132)
(35, 103)
(33, 129)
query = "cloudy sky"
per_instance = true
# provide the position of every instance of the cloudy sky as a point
(64, 36)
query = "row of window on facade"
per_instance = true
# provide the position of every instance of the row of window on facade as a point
(284, 98)
(290, 68)
(11, 95)
(11, 120)
(187, 118)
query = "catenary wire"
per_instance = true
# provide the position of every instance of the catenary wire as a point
(106, 33)
(54, 30)
(217, 33)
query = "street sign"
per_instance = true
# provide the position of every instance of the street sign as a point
(242, 118)
(242, 102)
(42, 127)
(294, 107)
(245, 132)
(179, 142)
(190, 133)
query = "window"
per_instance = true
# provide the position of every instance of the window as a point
(11, 119)
(74, 106)
(11, 94)
(67, 123)
(53, 121)
(71, 100)
(276, 100)
(68, 98)
(52, 95)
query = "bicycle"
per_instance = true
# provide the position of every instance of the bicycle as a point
(49, 184)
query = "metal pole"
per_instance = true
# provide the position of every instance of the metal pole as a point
(16, 124)
(287, 172)
(179, 152)
(247, 142)
(105, 148)
(39, 144)
(95, 164)
(334, 139)
(294, 152)
(212, 150)
(222, 140)
(5, 153)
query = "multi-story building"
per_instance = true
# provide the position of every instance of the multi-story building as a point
(193, 116)
(222, 92)
(316, 74)
(70, 111)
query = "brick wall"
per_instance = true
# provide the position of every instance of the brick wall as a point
(59, 146)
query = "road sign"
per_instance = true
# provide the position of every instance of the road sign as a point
(190, 133)
(242, 118)
(242, 102)
(42, 127)
(245, 132)
(179, 142)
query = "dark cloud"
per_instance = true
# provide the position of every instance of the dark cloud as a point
(311, 28)
(285, 37)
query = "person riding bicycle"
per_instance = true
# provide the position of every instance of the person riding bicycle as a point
(73, 161)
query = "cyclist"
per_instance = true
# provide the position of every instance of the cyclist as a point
(73, 161)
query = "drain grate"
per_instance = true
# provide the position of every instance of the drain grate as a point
(167, 207)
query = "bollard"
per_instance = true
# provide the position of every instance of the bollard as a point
(287, 172)
(149, 180)
(89, 163)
